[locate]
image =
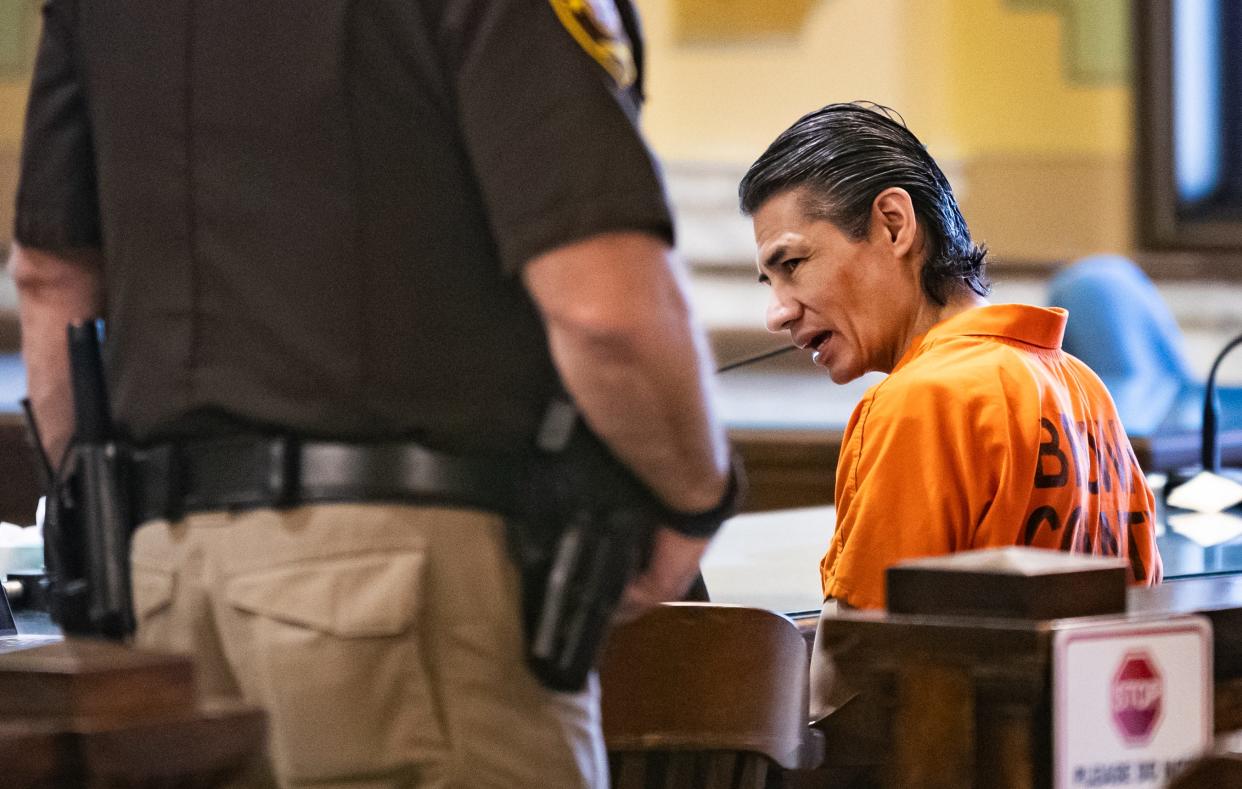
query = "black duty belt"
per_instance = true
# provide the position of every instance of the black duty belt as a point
(171, 480)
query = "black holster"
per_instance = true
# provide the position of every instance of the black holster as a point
(583, 532)
(88, 518)
(86, 533)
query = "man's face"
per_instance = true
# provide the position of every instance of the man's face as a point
(851, 302)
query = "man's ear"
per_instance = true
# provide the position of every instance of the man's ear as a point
(894, 221)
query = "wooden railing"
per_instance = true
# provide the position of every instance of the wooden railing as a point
(963, 701)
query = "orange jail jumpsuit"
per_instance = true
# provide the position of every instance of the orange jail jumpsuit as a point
(986, 434)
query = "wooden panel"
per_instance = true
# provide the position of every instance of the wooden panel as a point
(797, 468)
(96, 714)
(788, 468)
(687, 770)
(19, 484)
(934, 732)
(1227, 704)
(1014, 582)
(27, 756)
(210, 746)
(1212, 772)
(78, 680)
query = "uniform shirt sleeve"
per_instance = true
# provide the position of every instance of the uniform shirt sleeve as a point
(57, 202)
(551, 137)
(917, 472)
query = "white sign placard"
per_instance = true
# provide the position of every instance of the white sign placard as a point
(1132, 703)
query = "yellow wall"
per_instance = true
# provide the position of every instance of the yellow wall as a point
(12, 109)
(969, 75)
(19, 20)
(1041, 165)
(1008, 88)
(726, 101)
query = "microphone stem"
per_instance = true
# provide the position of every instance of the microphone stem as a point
(1211, 413)
(756, 358)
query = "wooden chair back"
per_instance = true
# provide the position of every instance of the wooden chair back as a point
(706, 697)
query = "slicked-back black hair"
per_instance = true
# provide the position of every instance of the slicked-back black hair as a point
(843, 156)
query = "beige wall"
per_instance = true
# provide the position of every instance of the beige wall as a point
(1046, 163)
(19, 20)
(726, 101)
(1009, 90)
(1041, 165)
(12, 108)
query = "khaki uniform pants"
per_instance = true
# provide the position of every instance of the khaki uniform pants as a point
(383, 641)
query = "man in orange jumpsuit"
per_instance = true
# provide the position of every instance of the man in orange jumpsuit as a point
(985, 432)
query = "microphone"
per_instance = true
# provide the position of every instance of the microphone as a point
(1211, 413)
(759, 357)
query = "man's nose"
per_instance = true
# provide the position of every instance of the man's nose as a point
(781, 312)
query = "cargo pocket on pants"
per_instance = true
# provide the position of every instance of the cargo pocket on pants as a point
(152, 590)
(337, 663)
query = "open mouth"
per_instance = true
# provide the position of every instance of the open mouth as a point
(817, 344)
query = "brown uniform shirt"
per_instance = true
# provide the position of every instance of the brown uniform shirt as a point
(312, 213)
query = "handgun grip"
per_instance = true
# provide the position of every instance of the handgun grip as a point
(591, 565)
(91, 413)
(106, 527)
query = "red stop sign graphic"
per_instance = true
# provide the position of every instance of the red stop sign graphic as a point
(1137, 696)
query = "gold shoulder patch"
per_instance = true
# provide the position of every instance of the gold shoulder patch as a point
(596, 26)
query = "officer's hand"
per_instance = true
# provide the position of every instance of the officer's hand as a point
(673, 567)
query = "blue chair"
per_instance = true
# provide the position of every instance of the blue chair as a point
(1120, 326)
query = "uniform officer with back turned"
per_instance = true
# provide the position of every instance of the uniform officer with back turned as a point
(347, 254)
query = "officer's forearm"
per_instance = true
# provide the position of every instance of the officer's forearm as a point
(54, 288)
(624, 342)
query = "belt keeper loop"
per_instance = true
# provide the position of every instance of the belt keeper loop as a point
(157, 483)
(284, 470)
(174, 493)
